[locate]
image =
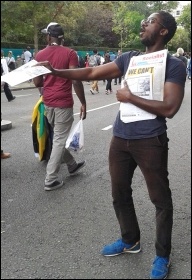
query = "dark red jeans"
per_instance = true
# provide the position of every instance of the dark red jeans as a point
(151, 155)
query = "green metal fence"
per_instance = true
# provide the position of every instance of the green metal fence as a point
(17, 52)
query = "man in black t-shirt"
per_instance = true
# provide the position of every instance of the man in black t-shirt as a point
(141, 143)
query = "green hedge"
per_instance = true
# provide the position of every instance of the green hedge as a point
(13, 45)
(17, 48)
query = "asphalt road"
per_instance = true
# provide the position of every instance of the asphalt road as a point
(59, 234)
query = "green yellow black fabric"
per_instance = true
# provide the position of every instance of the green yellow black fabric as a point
(41, 131)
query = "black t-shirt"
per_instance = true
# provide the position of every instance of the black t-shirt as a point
(175, 73)
(183, 58)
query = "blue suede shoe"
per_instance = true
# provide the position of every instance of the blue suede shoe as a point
(160, 268)
(120, 247)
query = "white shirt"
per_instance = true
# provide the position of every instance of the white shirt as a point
(4, 65)
(5, 68)
(102, 59)
(10, 59)
(27, 56)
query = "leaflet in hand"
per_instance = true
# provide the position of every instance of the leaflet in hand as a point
(24, 73)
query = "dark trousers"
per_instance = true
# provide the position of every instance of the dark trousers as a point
(115, 80)
(151, 155)
(8, 92)
(108, 85)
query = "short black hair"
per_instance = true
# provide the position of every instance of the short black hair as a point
(170, 23)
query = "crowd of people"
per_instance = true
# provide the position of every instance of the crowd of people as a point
(15, 62)
(96, 59)
(27, 55)
(8, 64)
(111, 56)
(142, 144)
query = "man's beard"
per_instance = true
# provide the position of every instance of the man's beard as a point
(148, 42)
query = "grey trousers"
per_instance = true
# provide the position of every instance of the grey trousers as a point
(61, 120)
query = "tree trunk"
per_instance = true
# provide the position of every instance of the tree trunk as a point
(35, 37)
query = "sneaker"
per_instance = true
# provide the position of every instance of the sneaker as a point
(160, 268)
(77, 168)
(119, 247)
(115, 83)
(55, 185)
(106, 91)
(92, 91)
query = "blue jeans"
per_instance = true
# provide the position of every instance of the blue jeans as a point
(151, 155)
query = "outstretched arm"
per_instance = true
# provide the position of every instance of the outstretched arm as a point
(105, 71)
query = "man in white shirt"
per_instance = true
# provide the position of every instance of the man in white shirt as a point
(27, 58)
(27, 55)
(11, 61)
(5, 70)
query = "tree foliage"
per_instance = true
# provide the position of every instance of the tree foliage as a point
(128, 16)
(182, 37)
(111, 24)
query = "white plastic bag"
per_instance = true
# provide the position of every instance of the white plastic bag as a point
(75, 140)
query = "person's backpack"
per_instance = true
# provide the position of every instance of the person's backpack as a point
(93, 60)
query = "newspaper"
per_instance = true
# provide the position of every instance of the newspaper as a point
(145, 77)
(24, 73)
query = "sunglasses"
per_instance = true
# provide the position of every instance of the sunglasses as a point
(151, 21)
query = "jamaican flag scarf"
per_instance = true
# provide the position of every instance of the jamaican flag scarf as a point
(42, 133)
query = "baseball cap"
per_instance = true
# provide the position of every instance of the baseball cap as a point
(54, 30)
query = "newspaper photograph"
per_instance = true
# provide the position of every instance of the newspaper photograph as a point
(145, 77)
(140, 85)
